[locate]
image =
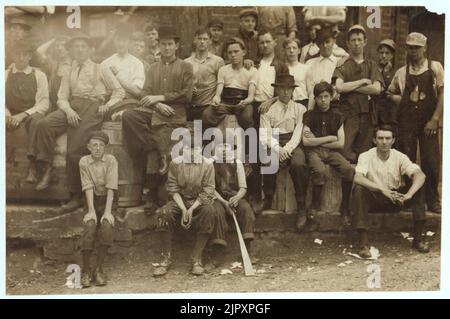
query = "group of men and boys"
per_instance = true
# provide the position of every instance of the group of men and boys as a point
(329, 106)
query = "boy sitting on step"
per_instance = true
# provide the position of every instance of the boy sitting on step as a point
(99, 181)
(323, 139)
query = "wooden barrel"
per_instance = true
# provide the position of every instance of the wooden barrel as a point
(17, 168)
(284, 196)
(130, 172)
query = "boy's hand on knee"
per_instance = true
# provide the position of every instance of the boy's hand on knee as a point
(90, 216)
(108, 217)
(233, 201)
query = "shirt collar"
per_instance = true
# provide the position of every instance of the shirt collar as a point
(91, 159)
(208, 56)
(386, 68)
(27, 70)
(85, 63)
(331, 58)
(169, 62)
(124, 57)
(248, 35)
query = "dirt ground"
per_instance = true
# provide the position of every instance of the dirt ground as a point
(289, 263)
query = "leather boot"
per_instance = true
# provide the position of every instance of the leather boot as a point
(44, 183)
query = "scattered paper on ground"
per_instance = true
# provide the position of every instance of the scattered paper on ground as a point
(260, 271)
(348, 262)
(226, 272)
(341, 265)
(318, 241)
(310, 268)
(405, 235)
(354, 255)
(410, 239)
(236, 264)
(374, 252)
(430, 233)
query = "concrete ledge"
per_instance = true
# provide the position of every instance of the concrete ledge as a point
(58, 233)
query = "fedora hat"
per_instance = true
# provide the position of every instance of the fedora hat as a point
(168, 32)
(284, 79)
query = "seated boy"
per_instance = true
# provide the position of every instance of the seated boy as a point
(190, 184)
(99, 181)
(286, 116)
(323, 138)
(231, 188)
(235, 91)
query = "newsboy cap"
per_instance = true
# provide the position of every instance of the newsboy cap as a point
(416, 39)
(99, 135)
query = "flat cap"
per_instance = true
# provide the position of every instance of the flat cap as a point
(215, 23)
(416, 39)
(356, 27)
(248, 12)
(387, 42)
(99, 135)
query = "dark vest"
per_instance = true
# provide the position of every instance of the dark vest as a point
(21, 91)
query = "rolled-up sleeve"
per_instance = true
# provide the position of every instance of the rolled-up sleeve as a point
(64, 92)
(86, 180)
(139, 75)
(242, 182)
(407, 167)
(363, 165)
(206, 196)
(112, 174)
(117, 91)
(172, 186)
(394, 87)
(42, 100)
(265, 133)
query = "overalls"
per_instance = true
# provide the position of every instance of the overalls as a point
(416, 108)
(20, 96)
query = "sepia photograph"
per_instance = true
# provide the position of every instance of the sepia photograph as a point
(222, 149)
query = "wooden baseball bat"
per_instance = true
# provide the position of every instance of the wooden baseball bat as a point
(248, 268)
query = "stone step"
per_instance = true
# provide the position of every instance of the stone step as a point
(58, 233)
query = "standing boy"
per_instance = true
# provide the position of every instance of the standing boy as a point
(357, 80)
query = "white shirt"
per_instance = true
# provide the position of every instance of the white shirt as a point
(387, 173)
(42, 100)
(320, 69)
(299, 72)
(130, 69)
(288, 118)
(237, 79)
(265, 76)
(313, 49)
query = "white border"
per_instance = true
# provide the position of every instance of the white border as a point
(432, 5)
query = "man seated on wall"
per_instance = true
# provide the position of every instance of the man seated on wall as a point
(235, 89)
(27, 99)
(82, 102)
